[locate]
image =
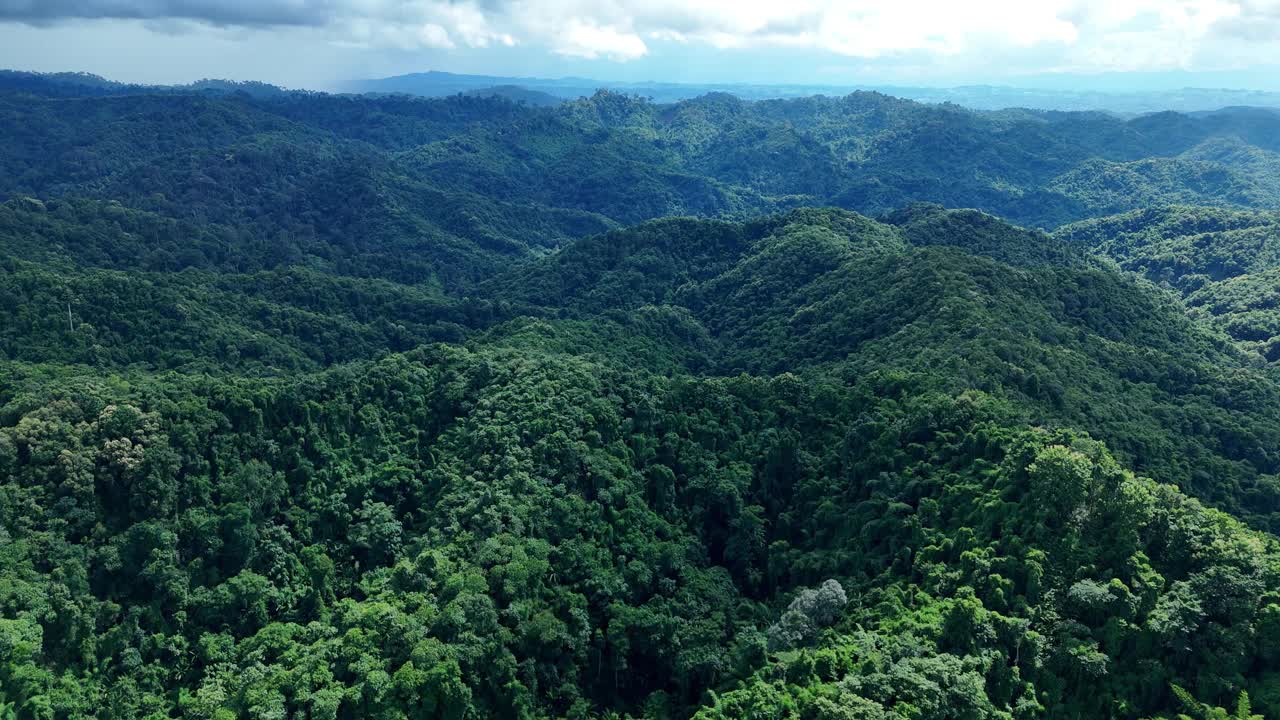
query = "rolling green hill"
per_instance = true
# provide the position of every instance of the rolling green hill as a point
(622, 157)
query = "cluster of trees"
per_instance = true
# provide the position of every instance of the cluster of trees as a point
(323, 407)
(517, 533)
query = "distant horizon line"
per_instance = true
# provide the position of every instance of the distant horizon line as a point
(740, 83)
(600, 82)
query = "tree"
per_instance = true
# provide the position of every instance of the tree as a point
(812, 610)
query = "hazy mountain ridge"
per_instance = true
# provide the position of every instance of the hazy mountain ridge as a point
(978, 97)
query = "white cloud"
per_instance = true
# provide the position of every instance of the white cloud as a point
(1079, 35)
(585, 39)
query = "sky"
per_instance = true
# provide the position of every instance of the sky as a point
(320, 44)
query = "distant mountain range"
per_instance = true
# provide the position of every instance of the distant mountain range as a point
(541, 92)
(979, 97)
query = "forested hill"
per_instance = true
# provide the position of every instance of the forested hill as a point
(344, 407)
(1225, 263)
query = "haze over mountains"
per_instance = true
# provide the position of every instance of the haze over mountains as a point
(843, 407)
(1052, 94)
(979, 97)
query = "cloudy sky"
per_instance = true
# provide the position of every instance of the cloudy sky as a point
(321, 43)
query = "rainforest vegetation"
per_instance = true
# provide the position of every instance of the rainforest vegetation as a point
(850, 408)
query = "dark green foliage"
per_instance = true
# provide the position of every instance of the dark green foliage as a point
(320, 407)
